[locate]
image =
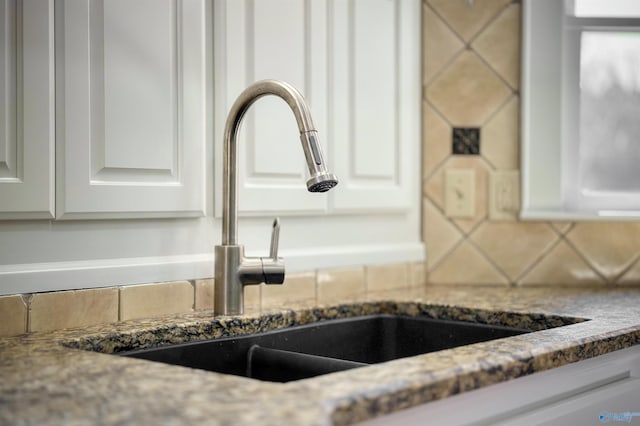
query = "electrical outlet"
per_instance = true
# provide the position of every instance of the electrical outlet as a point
(504, 195)
(459, 200)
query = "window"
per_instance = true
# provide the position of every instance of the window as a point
(581, 109)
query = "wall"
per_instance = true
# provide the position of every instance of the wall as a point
(471, 79)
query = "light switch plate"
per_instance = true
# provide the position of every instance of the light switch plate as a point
(459, 199)
(504, 195)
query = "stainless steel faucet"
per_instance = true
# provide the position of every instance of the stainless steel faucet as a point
(232, 269)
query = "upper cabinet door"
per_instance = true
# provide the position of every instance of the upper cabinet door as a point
(132, 108)
(375, 102)
(357, 62)
(26, 110)
(271, 39)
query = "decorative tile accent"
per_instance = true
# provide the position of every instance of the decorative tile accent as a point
(499, 45)
(387, 277)
(299, 287)
(204, 294)
(609, 247)
(341, 285)
(436, 133)
(501, 137)
(513, 246)
(13, 315)
(439, 235)
(465, 265)
(466, 141)
(468, 18)
(562, 267)
(467, 92)
(440, 44)
(74, 308)
(153, 300)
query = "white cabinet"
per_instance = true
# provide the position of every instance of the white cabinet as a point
(277, 39)
(575, 394)
(357, 64)
(131, 110)
(142, 91)
(26, 109)
(374, 69)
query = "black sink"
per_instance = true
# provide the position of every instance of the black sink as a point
(323, 347)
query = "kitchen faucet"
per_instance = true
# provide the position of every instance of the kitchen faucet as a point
(232, 269)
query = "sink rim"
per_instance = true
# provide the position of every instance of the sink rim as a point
(201, 325)
(324, 347)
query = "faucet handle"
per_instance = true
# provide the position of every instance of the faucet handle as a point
(275, 236)
(272, 266)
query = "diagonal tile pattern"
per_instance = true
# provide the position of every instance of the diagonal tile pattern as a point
(466, 265)
(609, 247)
(478, 87)
(467, 92)
(498, 46)
(467, 18)
(439, 234)
(562, 266)
(437, 131)
(500, 137)
(632, 276)
(439, 41)
(512, 246)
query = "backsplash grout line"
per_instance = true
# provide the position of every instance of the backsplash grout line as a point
(626, 270)
(119, 304)
(538, 260)
(490, 260)
(27, 298)
(585, 259)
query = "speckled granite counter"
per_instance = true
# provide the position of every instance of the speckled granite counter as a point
(44, 380)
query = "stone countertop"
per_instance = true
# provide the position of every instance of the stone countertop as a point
(59, 377)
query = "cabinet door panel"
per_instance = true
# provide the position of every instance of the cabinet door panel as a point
(26, 109)
(374, 106)
(274, 39)
(133, 108)
(357, 63)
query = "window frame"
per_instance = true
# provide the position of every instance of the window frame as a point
(550, 116)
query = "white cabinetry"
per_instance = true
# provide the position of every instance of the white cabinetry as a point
(575, 394)
(357, 65)
(142, 91)
(132, 85)
(284, 40)
(26, 109)
(374, 128)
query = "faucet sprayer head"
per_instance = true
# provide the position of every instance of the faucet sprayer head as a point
(322, 183)
(321, 180)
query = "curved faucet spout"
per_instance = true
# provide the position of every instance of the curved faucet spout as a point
(320, 179)
(232, 269)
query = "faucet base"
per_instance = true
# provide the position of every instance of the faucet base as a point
(228, 289)
(233, 271)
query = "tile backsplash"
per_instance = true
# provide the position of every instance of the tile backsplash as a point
(471, 75)
(26, 313)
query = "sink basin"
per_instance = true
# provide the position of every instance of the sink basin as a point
(323, 347)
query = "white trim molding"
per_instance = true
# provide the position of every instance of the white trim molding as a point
(56, 276)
